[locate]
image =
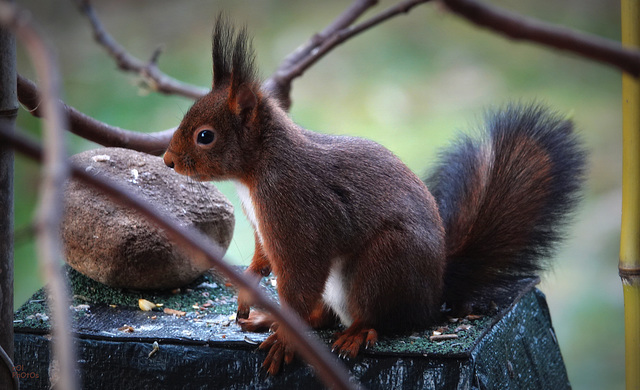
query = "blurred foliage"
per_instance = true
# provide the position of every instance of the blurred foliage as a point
(410, 84)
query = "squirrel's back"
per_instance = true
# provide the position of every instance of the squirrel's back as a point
(345, 188)
(504, 199)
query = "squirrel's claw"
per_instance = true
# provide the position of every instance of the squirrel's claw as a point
(243, 312)
(349, 342)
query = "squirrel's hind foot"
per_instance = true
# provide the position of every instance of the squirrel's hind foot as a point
(349, 342)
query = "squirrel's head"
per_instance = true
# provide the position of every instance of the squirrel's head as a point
(216, 136)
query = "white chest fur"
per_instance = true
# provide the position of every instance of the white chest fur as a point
(335, 293)
(247, 205)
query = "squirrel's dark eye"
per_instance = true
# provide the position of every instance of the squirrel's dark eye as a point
(205, 137)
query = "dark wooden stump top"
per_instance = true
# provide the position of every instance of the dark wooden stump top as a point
(199, 345)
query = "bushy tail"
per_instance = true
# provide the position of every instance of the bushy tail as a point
(505, 198)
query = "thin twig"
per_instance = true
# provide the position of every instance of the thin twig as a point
(282, 90)
(279, 84)
(519, 27)
(6, 359)
(93, 129)
(55, 172)
(332, 374)
(156, 143)
(148, 70)
(296, 63)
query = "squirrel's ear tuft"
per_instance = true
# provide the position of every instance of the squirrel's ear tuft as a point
(222, 49)
(234, 68)
(233, 57)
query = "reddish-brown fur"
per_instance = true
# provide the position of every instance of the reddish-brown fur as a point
(350, 231)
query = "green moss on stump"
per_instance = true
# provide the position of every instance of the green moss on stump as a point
(203, 289)
(514, 348)
(34, 314)
(210, 302)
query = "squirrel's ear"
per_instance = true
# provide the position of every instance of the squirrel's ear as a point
(244, 101)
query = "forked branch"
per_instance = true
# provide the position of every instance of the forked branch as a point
(338, 31)
(341, 29)
(278, 84)
(148, 70)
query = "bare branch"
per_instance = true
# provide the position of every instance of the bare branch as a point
(333, 374)
(56, 172)
(346, 18)
(279, 84)
(279, 88)
(6, 359)
(519, 27)
(156, 143)
(149, 71)
(94, 130)
(294, 65)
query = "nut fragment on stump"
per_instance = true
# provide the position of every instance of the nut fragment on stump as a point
(115, 245)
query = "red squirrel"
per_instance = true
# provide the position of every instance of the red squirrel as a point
(351, 233)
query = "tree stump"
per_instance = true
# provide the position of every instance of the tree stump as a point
(192, 341)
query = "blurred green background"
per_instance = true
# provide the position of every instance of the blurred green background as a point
(410, 84)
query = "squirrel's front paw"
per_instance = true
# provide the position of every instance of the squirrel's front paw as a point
(244, 307)
(244, 303)
(255, 321)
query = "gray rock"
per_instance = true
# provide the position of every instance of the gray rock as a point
(116, 246)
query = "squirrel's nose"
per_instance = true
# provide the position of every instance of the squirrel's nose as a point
(168, 160)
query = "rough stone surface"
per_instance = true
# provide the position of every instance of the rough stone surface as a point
(115, 246)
